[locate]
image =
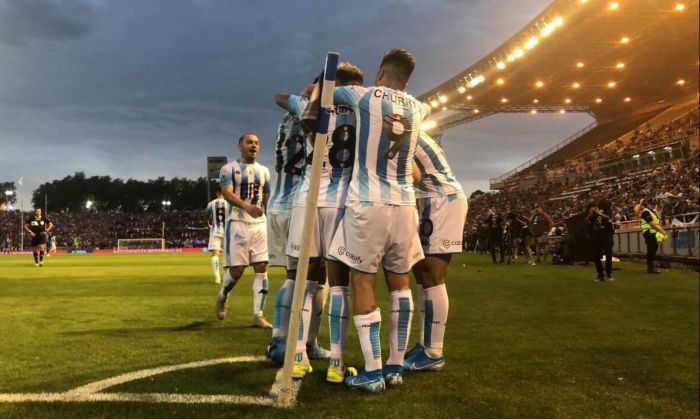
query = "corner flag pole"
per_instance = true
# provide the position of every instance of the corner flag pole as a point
(286, 391)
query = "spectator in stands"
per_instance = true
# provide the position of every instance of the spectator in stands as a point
(652, 231)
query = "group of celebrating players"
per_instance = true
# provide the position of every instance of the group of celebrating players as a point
(387, 197)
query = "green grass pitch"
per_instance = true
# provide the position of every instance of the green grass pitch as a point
(522, 341)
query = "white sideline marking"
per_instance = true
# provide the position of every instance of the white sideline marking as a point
(92, 392)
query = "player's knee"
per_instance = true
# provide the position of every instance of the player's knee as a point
(236, 271)
(260, 267)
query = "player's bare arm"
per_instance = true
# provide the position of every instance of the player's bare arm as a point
(28, 230)
(234, 199)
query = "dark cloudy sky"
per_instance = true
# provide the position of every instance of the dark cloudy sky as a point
(134, 88)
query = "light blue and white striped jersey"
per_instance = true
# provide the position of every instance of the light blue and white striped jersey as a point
(289, 152)
(250, 182)
(216, 213)
(337, 163)
(437, 178)
(388, 124)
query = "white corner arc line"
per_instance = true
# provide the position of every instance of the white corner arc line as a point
(92, 392)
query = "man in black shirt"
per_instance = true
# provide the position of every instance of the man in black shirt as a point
(494, 224)
(37, 227)
(601, 235)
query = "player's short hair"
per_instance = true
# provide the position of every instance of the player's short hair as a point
(401, 60)
(245, 134)
(348, 74)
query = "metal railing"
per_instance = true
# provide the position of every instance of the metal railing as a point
(546, 153)
(682, 243)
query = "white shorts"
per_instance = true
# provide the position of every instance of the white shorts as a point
(442, 223)
(245, 243)
(215, 242)
(373, 233)
(277, 234)
(327, 221)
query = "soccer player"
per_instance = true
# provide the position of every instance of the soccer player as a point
(335, 179)
(216, 220)
(442, 207)
(37, 227)
(245, 184)
(290, 154)
(380, 222)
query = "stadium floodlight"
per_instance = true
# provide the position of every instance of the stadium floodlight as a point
(9, 193)
(620, 65)
(504, 100)
(434, 103)
(328, 86)
(567, 100)
(500, 65)
(500, 82)
(476, 111)
(575, 85)
(461, 89)
(628, 99)
(679, 7)
(469, 97)
(534, 111)
(562, 111)
(530, 43)
(89, 204)
(558, 21)
(614, 6)
(611, 84)
(580, 64)
(539, 83)
(535, 101)
(625, 40)
(443, 98)
(547, 30)
(518, 52)
(680, 82)
(598, 100)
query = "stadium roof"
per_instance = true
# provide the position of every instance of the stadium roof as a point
(609, 58)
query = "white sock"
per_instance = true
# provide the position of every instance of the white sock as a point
(368, 326)
(338, 323)
(304, 321)
(420, 293)
(227, 285)
(317, 305)
(436, 307)
(260, 288)
(215, 268)
(283, 301)
(400, 326)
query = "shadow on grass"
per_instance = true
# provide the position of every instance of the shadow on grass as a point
(122, 331)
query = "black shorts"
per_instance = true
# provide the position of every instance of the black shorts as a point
(39, 239)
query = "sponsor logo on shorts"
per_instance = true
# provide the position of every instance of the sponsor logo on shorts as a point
(417, 255)
(296, 246)
(447, 243)
(342, 251)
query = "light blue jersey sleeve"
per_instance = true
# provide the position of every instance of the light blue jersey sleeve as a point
(266, 186)
(348, 95)
(225, 176)
(296, 105)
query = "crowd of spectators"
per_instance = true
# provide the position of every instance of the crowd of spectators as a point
(101, 230)
(673, 184)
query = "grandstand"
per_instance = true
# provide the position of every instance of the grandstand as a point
(636, 74)
(624, 75)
